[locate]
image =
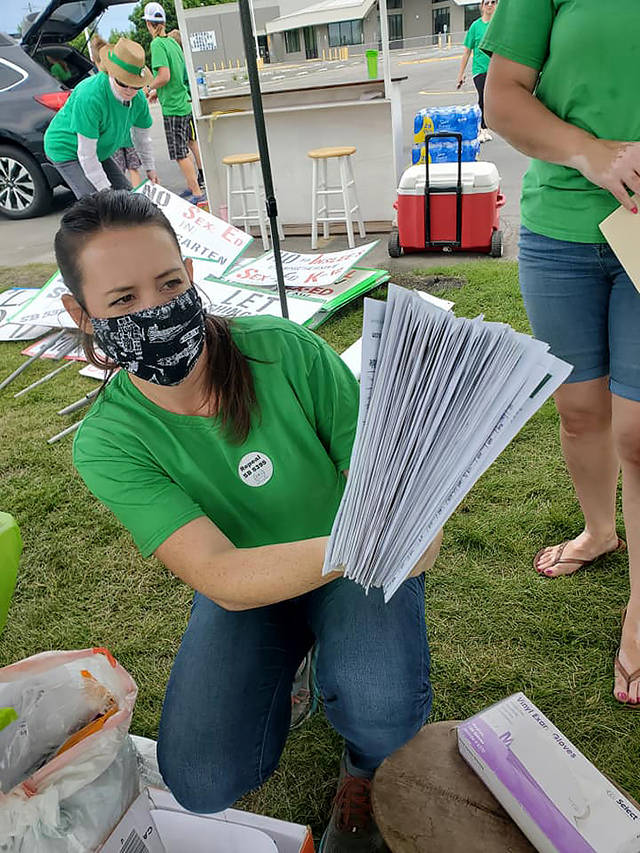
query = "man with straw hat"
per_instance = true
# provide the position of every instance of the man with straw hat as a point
(167, 62)
(101, 116)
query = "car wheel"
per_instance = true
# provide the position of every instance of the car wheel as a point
(24, 190)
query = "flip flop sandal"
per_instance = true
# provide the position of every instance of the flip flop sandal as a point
(621, 546)
(628, 677)
(617, 666)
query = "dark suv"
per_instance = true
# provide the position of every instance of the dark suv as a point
(30, 95)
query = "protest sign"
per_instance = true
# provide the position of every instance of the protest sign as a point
(328, 298)
(200, 234)
(11, 301)
(225, 299)
(299, 270)
(46, 307)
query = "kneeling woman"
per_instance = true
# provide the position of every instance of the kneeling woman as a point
(223, 448)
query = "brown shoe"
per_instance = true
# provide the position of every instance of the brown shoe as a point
(352, 828)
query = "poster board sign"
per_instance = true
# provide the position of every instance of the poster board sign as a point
(11, 301)
(225, 299)
(299, 270)
(200, 234)
(203, 41)
(328, 298)
(46, 307)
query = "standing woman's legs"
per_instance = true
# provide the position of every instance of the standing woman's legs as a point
(566, 291)
(227, 708)
(624, 336)
(479, 81)
(626, 430)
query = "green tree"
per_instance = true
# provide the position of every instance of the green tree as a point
(140, 32)
(114, 35)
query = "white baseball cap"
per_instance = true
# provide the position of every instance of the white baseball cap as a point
(155, 13)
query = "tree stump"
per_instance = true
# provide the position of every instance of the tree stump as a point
(426, 799)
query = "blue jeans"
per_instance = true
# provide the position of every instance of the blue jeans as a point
(580, 300)
(227, 707)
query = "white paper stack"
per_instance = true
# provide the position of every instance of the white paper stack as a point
(441, 397)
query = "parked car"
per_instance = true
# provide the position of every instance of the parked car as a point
(30, 95)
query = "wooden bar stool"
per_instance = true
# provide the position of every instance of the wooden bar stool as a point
(320, 192)
(250, 192)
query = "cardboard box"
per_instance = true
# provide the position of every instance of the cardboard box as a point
(156, 823)
(561, 802)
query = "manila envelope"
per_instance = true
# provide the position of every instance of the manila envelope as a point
(622, 230)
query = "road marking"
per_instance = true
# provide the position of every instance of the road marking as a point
(280, 77)
(431, 59)
(455, 92)
(301, 73)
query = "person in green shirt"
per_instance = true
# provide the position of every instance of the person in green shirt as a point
(168, 65)
(99, 118)
(562, 89)
(59, 69)
(480, 65)
(223, 447)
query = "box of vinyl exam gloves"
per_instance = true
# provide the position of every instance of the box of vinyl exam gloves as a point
(561, 802)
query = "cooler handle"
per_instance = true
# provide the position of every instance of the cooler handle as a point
(427, 189)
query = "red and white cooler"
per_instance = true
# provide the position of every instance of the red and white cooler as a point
(448, 207)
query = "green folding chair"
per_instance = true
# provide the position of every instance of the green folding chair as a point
(10, 548)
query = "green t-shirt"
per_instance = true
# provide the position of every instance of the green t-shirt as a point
(157, 470)
(174, 97)
(59, 72)
(472, 40)
(92, 110)
(588, 56)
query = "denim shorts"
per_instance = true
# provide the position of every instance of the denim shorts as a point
(580, 300)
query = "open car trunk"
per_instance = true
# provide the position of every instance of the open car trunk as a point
(46, 39)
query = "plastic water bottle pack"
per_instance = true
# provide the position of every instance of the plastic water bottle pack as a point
(446, 151)
(463, 119)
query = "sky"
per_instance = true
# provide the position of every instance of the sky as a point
(13, 11)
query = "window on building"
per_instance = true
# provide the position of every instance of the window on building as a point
(441, 19)
(395, 28)
(346, 32)
(292, 41)
(471, 13)
(394, 4)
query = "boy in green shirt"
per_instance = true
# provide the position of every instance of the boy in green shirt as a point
(480, 64)
(167, 63)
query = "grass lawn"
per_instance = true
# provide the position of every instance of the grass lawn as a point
(495, 626)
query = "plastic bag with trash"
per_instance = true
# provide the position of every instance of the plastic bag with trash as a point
(68, 770)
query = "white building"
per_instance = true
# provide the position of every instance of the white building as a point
(294, 30)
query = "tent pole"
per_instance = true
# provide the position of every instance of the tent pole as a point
(263, 145)
(384, 38)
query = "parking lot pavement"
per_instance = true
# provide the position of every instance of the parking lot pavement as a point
(429, 83)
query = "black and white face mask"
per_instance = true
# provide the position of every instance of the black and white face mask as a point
(161, 344)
